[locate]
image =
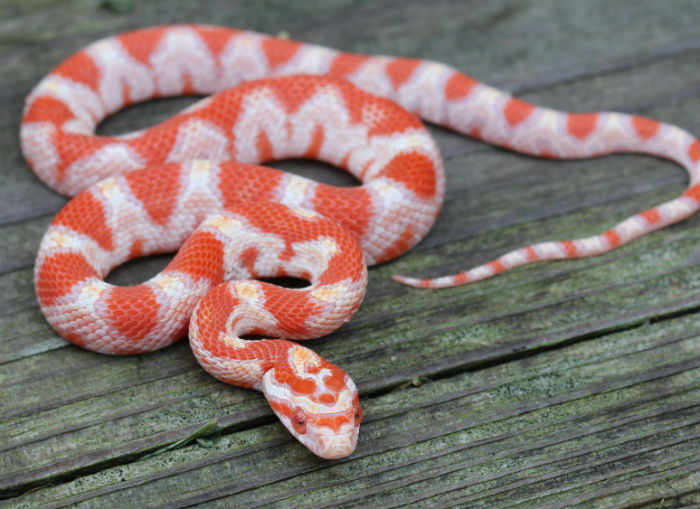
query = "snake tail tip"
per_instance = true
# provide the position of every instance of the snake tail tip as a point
(408, 281)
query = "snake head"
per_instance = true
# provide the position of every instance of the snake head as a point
(316, 401)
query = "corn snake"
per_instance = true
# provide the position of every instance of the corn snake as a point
(297, 100)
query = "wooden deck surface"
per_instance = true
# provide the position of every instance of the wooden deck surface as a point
(566, 384)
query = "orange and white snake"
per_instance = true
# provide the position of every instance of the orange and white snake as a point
(191, 184)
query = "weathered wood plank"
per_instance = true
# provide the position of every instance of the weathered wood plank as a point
(477, 193)
(499, 325)
(529, 428)
(463, 35)
(524, 181)
(515, 417)
(101, 408)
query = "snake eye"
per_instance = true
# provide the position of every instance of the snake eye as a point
(358, 409)
(358, 415)
(299, 422)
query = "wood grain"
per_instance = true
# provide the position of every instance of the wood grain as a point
(567, 384)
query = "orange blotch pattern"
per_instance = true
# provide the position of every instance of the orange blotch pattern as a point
(346, 63)
(497, 266)
(327, 398)
(278, 51)
(651, 216)
(414, 170)
(133, 311)
(475, 133)
(86, 215)
(570, 248)
(213, 315)
(239, 183)
(298, 307)
(458, 86)
(316, 143)
(136, 249)
(58, 274)
(72, 147)
(613, 238)
(580, 125)
(80, 68)
(215, 38)
(201, 257)
(294, 94)
(335, 382)
(645, 127)
(248, 257)
(516, 111)
(461, 278)
(48, 109)
(156, 199)
(403, 244)
(141, 43)
(342, 204)
(335, 422)
(303, 385)
(400, 69)
(693, 192)
(281, 408)
(265, 152)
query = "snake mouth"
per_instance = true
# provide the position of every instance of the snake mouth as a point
(334, 446)
(335, 449)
